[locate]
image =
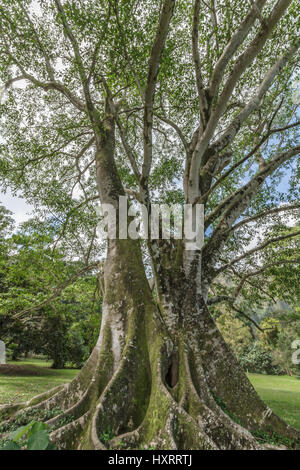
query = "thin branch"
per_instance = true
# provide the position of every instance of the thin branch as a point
(247, 317)
(256, 249)
(203, 104)
(235, 42)
(176, 128)
(56, 292)
(265, 268)
(251, 284)
(129, 151)
(46, 86)
(284, 128)
(218, 299)
(75, 47)
(265, 214)
(69, 214)
(153, 69)
(230, 301)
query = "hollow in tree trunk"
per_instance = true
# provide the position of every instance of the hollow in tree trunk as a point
(160, 375)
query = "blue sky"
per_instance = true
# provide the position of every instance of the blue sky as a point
(21, 210)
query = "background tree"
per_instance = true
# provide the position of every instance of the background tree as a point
(236, 334)
(45, 298)
(133, 97)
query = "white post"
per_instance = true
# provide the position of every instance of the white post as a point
(2, 353)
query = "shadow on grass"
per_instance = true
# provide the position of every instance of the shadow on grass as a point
(25, 370)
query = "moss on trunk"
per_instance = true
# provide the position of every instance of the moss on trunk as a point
(147, 385)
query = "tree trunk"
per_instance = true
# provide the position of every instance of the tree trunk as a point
(155, 384)
(160, 375)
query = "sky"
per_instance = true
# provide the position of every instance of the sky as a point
(21, 210)
(18, 206)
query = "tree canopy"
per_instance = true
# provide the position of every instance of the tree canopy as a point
(199, 90)
(190, 101)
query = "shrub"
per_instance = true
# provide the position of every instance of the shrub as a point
(257, 359)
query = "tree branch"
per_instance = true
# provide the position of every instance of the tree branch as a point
(46, 86)
(127, 147)
(176, 128)
(153, 69)
(203, 142)
(57, 292)
(256, 249)
(247, 317)
(235, 42)
(81, 70)
(203, 104)
(265, 214)
(252, 186)
(230, 301)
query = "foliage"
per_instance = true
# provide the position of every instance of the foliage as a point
(237, 335)
(33, 436)
(32, 273)
(269, 336)
(274, 439)
(257, 359)
(283, 353)
(106, 435)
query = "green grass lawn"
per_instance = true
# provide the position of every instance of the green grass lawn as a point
(281, 393)
(35, 377)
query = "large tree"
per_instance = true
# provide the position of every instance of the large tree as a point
(134, 97)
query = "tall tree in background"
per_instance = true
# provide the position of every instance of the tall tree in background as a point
(131, 97)
(47, 301)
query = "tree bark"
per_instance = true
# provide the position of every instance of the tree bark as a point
(160, 375)
(153, 383)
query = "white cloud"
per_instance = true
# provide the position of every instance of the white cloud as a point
(17, 205)
(285, 218)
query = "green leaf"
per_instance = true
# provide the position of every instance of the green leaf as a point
(38, 441)
(11, 445)
(16, 435)
(51, 446)
(36, 427)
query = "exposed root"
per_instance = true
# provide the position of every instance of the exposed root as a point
(117, 409)
(185, 416)
(6, 411)
(166, 424)
(229, 383)
(222, 429)
(68, 436)
(146, 388)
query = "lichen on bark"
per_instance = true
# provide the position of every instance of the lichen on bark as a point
(152, 387)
